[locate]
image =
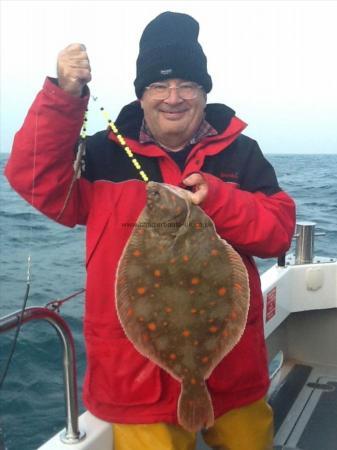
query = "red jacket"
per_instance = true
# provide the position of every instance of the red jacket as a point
(245, 202)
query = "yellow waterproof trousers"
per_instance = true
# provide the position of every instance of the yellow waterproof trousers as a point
(246, 428)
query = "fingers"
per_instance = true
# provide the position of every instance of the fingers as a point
(200, 188)
(193, 179)
(73, 69)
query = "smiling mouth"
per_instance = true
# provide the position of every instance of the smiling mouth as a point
(173, 115)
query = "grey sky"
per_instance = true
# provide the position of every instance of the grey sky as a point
(273, 62)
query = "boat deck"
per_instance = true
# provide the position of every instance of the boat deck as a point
(305, 408)
(303, 391)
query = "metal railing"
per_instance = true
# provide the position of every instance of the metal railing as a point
(72, 434)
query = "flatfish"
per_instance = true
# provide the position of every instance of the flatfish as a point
(182, 296)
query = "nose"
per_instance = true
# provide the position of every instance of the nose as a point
(173, 97)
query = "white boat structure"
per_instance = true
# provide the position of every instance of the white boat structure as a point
(300, 315)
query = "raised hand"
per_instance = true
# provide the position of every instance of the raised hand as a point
(73, 69)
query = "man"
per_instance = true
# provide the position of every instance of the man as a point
(178, 139)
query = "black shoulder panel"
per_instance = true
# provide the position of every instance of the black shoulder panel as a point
(129, 120)
(243, 163)
(106, 160)
(219, 116)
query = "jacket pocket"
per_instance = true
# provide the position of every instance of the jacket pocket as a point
(118, 374)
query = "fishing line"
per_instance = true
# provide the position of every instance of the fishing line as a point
(81, 146)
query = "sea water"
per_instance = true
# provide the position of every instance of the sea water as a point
(32, 400)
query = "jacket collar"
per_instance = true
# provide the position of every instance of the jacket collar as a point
(221, 118)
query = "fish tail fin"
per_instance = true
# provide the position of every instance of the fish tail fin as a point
(195, 409)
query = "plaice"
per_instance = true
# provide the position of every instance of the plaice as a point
(182, 296)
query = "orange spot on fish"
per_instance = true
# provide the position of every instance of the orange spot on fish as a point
(141, 290)
(213, 329)
(198, 226)
(194, 310)
(214, 252)
(222, 291)
(173, 356)
(136, 252)
(186, 333)
(152, 326)
(205, 359)
(157, 273)
(225, 333)
(168, 310)
(156, 285)
(238, 287)
(193, 381)
(141, 319)
(233, 315)
(195, 281)
(129, 312)
(186, 258)
(145, 337)
(178, 210)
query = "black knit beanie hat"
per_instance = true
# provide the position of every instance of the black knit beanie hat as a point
(169, 48)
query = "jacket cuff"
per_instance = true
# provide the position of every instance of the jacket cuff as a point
(52, 89)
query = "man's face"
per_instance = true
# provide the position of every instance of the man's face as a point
(174, 120)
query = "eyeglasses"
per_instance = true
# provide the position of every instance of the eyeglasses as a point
(161, 91)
